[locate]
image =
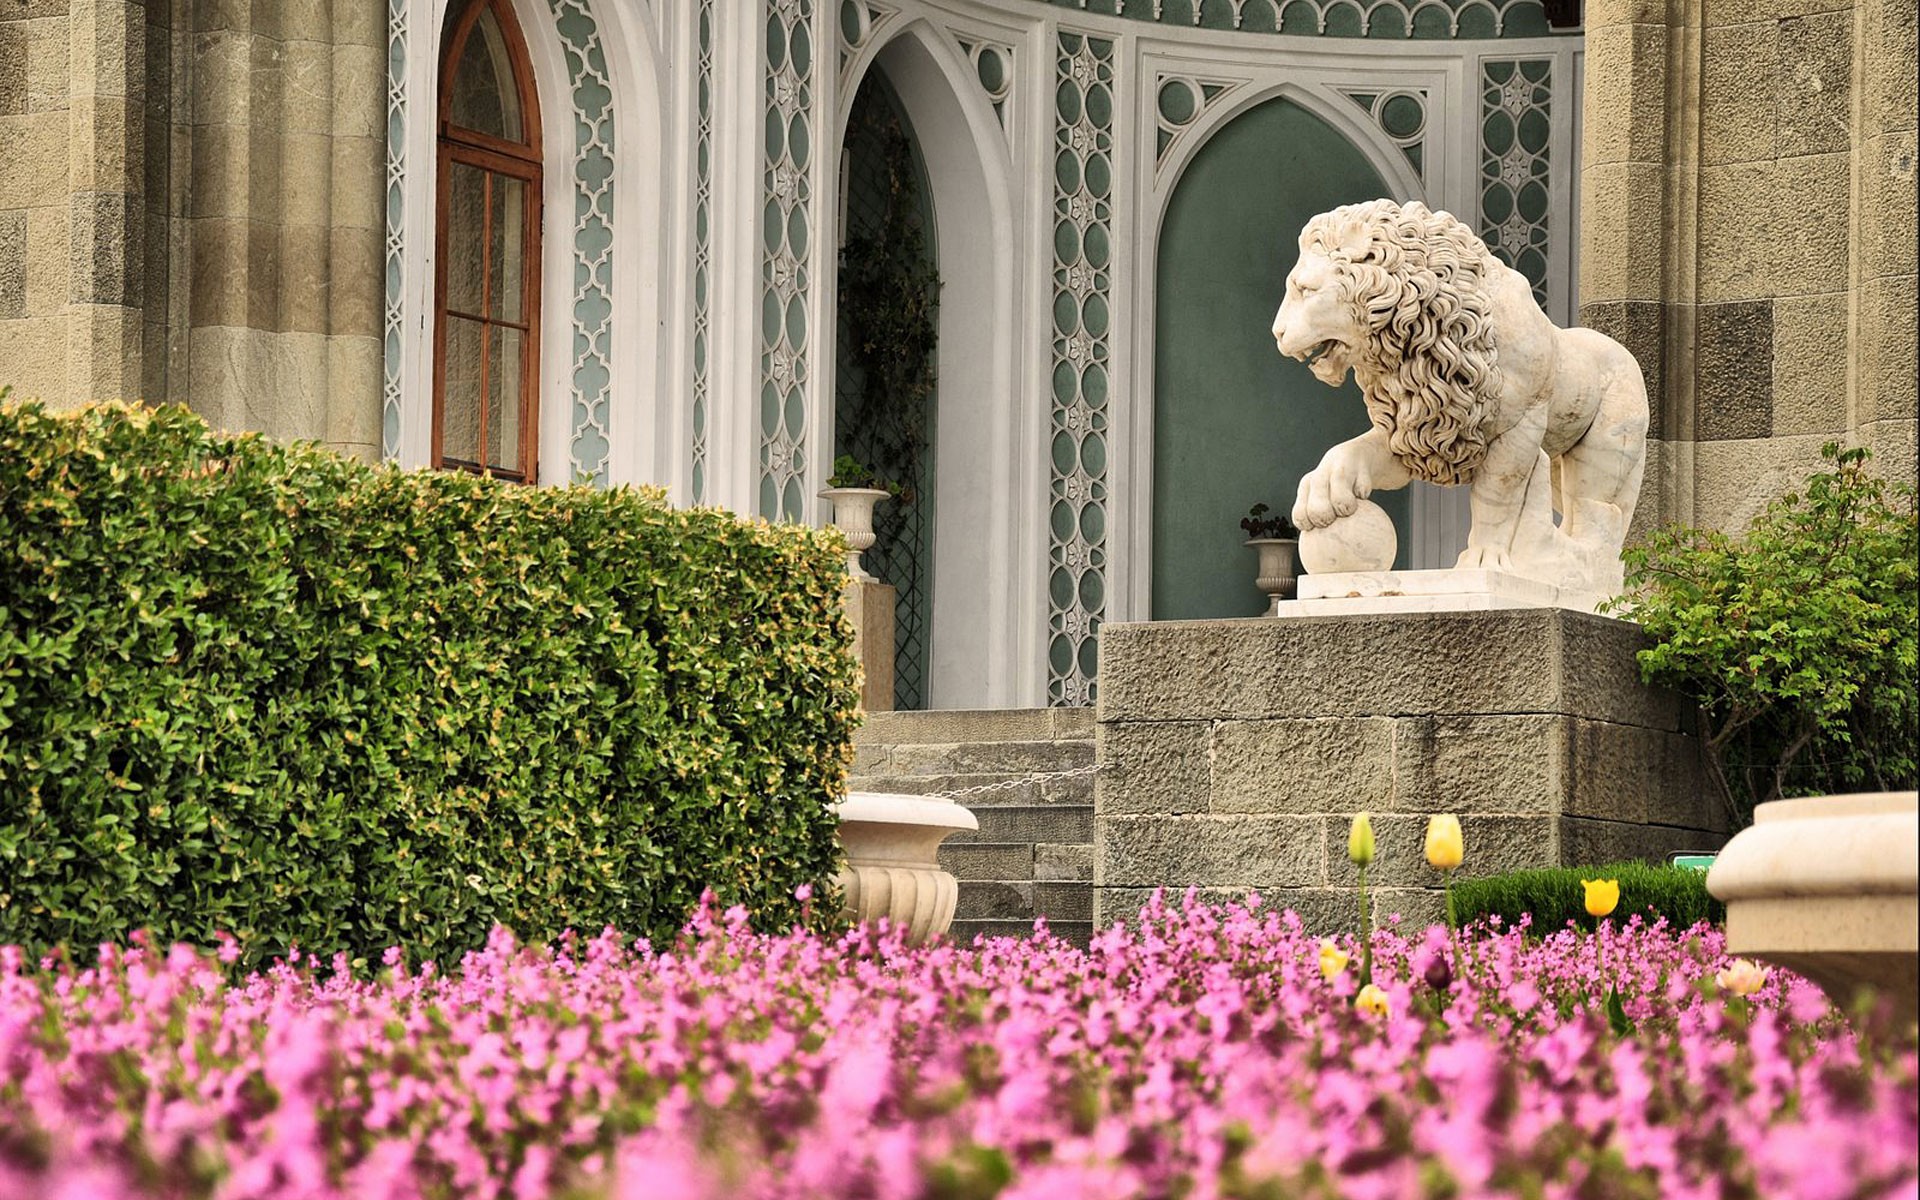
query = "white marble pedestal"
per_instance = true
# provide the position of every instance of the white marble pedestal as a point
(1360, 593)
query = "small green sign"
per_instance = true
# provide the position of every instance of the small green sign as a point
(1697, 862)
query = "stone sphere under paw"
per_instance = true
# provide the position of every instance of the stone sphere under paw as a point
(1364, 540)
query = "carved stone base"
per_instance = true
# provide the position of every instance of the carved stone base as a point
(892, 870)
(1355, 593)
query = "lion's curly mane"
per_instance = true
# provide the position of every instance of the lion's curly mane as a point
(1417, 280)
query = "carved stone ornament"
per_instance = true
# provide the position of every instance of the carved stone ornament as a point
(1467, 383)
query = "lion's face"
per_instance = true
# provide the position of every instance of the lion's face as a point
(1316, 322)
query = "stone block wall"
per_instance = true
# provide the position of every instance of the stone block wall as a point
(1235, 754)
(1747, 208)
(192, 208)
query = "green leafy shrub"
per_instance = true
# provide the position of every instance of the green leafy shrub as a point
(265, 689)
(1555, 896)
(1797, 641)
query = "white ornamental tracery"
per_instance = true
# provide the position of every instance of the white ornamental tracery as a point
(591, 304)
(787, 247)
(1085, 105)
(700, 415)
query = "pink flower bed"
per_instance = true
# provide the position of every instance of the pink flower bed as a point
(1205, 1056)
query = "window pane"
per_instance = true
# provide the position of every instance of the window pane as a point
(484, 95)
(508, 252)
(466, 210)
(504, 372)
(460, 403)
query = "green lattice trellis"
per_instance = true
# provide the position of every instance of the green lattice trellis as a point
(786, 268)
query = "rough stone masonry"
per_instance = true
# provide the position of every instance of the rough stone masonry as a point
(1237, 752)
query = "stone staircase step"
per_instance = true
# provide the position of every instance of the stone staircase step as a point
(1068, 903)
(1033, 854)
(1035, 823)
(972, 758)
(954, 726)
(1065, 862)
(995, 901)
(970, 861)
(1009, 900)
(1079, 933)
(1077, 790)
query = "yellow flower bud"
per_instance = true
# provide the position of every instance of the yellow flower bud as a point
(1333, 960)
(1372, 1000)
(1603, 895)
(1360, 841)
(1445, 844)
(1742, 977)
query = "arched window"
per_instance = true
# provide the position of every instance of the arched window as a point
(487, 284)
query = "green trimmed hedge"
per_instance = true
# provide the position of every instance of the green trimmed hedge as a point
(268, 690)
(1555, 896)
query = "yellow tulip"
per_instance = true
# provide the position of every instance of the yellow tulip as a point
(1372, 1000)
(1333, 960)
(1742, 977)
(1360, 841)
(1445, 844)
(1603, 895)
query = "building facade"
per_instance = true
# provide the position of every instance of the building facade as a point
(602, 241)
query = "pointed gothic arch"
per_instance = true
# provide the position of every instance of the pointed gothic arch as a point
(985, 626)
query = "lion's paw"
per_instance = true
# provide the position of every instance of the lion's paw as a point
(1483, 558)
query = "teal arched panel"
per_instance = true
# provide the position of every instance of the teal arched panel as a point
(1234, 423)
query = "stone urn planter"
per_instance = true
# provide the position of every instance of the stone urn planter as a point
(892, 870)
(1829, 887)
(1276, 573)
(853, 516)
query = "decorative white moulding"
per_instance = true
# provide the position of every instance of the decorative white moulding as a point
(1829, 887)
(853, 516)
(892, 843)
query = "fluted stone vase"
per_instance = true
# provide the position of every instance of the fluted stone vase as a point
(1829, 887)
(892, 842)
(853, 516)
(1276, 574)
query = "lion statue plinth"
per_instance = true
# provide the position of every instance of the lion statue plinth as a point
(1467, 383)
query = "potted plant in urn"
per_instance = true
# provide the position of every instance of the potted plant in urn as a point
(1275, 539)
(854, 490)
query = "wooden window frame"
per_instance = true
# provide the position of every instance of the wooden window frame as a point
(496, 156)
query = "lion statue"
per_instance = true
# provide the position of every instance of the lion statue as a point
(1466, 383)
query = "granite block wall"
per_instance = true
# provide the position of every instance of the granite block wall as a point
(1236, 753)
(1747, 208)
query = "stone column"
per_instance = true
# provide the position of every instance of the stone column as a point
(288, 122)
(1886, 361)
(35, 206)
(106, 135)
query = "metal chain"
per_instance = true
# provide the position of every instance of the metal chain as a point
(1030, 777)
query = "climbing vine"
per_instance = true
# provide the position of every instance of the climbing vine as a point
(889, 299)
